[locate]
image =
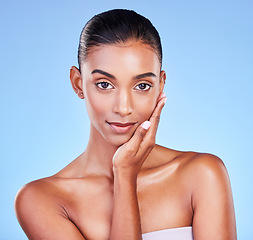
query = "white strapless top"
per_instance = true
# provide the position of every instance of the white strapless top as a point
(182, 233)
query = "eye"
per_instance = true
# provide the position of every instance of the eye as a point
(104, 85)
(143, 86)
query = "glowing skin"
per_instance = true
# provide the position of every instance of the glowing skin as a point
(123, 184)
(121, 85)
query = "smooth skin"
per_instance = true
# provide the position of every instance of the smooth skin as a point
(124, 184)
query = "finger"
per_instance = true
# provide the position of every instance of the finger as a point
(158, 109)
(155, 117)
(134, 143)
(162, 95)
(149, 140)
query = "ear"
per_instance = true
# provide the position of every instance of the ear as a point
(162, 80)
(76, 81)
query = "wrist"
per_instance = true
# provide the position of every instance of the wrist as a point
(121, 173)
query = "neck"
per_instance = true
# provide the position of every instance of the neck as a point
(97, 158)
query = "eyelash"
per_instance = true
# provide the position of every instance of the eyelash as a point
(146, 85)
(99, 85)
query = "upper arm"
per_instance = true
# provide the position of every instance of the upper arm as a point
(41, 217)
(212, 200)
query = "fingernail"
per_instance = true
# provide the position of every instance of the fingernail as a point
(165, 99)
(146, 125)
(163, 94)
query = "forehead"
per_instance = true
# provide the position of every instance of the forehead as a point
(129, 58)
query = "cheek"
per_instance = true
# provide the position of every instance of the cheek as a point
(95, 104)
(146, 107)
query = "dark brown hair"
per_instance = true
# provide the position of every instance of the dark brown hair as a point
(115, 27)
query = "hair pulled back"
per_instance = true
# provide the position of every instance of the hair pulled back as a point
(116, 27)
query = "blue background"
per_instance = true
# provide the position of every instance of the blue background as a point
(208, 56)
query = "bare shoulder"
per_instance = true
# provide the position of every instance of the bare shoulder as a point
(40, 211)
(203, 164)
(205, 179)
(34, 188)
(211, 200)
(199, 164)
(205, 171)
(30, 201)
(197, 171)
(29, 191)
(32, 195)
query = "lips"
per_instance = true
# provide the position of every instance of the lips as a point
(120, 127)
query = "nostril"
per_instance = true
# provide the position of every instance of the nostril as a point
(123, 105)
(123, 111)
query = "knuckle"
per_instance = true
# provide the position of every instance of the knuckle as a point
(157, 118)
(141, 134)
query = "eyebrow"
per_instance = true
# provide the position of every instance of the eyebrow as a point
(137, 77)
(144, 75)
(103, 73)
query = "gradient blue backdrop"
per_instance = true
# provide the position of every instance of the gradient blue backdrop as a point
(208, 56)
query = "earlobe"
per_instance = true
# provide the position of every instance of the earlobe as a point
(76, 81)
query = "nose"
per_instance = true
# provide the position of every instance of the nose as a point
(123, 104)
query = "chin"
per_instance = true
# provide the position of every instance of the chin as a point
(119, 140)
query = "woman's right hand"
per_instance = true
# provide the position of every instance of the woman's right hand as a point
(131, 155)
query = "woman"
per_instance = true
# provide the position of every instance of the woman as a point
(124, 186)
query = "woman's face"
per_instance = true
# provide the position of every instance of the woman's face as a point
(121, 85)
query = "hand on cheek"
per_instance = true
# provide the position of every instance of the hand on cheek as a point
(131, 155)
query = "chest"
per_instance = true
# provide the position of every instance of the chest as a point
(161, 206)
